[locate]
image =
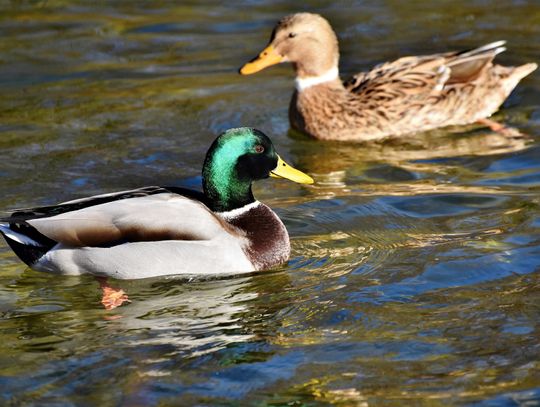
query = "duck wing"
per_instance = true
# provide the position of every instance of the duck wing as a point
(146, 214)
(21, 215)
(419, 76)
(162, 216)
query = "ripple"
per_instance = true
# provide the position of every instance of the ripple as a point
(415, 267)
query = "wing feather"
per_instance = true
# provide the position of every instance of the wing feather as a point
(418, 77)
(162, 216)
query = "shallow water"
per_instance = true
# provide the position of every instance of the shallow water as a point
(415, 272)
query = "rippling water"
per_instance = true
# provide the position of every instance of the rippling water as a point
(415, 274)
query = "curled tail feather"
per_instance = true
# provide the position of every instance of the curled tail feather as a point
(522, 71)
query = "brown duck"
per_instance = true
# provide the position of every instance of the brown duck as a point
(408, 95)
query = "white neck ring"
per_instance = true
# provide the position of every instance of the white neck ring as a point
(238, 211)
(304, 83)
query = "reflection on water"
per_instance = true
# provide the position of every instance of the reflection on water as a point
(195, 317)
(173, 319)
(336, 158)
(414, 274)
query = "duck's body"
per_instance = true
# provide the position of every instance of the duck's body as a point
(408, 95)
(156, 231)
(405, 96)
(147, 232)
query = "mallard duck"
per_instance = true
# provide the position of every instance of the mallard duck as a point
(158, 231)
(411, 94)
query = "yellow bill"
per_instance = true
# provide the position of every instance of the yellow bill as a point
(284, 170)
(267, 57)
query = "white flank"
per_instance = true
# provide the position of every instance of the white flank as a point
(304, 83)
(238, 211)
(20, 238)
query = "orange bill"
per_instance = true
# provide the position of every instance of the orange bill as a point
(267, 57)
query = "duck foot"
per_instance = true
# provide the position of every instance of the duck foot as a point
(112, 297)
(500, 128)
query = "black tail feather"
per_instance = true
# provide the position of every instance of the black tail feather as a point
(27, 253)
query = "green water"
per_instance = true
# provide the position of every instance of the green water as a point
(415, 272)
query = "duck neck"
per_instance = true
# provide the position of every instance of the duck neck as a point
(304, 82)
(225, 190)
(227, 195)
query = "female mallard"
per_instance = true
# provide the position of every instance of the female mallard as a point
(408, 95)
(156, 231)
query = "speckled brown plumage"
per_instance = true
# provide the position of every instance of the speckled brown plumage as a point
(408, 95)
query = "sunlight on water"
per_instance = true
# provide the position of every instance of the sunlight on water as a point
(414, 275)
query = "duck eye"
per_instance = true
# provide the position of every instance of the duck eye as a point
(259, 149)
(292, 35)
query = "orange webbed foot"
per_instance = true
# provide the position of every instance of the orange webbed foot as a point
(111, 297)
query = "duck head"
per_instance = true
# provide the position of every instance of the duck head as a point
(305, 39)
(236, 159)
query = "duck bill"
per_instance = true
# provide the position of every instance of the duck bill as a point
(284, 170)
(268, 57)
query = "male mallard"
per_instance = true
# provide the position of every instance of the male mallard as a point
(156, 231)
(408, 95)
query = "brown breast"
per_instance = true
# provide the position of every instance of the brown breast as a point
(268, 238)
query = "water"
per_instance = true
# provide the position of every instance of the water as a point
(415, 272)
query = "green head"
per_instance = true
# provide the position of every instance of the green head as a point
(236, 159)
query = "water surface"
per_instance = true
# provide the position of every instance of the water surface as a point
(415, 272)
